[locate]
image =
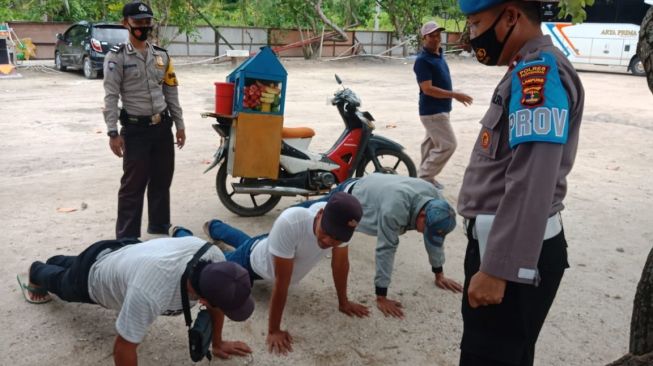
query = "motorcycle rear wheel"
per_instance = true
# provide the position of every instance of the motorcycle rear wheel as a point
(259, 204)
(389, 162)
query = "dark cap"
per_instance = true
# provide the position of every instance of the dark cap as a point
(226, 285)
(137, 10)
(440, 221)
(341, 215)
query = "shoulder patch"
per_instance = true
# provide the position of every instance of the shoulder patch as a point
(117, 48)
(170, 78)
(539, 105)
(159, 48)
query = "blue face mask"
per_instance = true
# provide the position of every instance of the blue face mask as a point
(487, 46)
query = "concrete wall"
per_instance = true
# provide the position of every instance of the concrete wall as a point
(205, 43)
(43, 35)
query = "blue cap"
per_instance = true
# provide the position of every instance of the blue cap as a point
(440, 221)
(475, 6)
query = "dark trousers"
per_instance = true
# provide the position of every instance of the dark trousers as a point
(67, 276)
(505, 334)
(148, 162)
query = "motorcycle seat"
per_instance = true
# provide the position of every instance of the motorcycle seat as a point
(297, 132)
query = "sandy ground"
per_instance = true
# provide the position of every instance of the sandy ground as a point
(55, 155)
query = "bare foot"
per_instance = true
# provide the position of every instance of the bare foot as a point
(37, 294)
(33, 293)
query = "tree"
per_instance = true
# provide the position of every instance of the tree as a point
(640, 352)
(645, 46)
(406, 17)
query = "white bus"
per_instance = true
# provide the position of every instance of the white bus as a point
(608, 37)
(608, 44)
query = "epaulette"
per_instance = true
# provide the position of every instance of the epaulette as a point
(159, 48)
(117, 48)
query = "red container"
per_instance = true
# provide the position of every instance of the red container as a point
(224, 98)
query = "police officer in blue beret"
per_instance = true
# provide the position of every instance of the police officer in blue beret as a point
(514, 184)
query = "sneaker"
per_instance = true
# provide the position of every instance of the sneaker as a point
(435, 183)
(224, 247)
(174, 229)
(438, 185)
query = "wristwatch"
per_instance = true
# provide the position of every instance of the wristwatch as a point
(112, 134)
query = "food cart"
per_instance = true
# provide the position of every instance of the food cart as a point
(254, 97)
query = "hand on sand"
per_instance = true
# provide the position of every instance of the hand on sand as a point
(279, 342)
(389, 307)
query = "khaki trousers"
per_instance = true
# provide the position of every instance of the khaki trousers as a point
(438, 146)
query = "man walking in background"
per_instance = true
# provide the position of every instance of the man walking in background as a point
(435, 96)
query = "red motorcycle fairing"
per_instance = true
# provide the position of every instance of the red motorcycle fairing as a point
(344, 154)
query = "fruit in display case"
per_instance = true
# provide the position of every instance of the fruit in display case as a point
(262, 96)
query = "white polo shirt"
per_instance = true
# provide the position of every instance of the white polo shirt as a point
(292, 236)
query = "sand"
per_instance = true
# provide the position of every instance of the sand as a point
(55, 157)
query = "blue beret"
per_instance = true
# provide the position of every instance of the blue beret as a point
(474, 6)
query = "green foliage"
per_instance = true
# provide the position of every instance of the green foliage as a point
(402, 16)
(575, 9)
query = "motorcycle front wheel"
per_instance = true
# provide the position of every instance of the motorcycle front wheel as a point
(388, 162)
(242, 204)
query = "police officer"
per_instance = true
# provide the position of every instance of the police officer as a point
(514, 185)
(141, 75)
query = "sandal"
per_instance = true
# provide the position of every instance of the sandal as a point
(34, 290)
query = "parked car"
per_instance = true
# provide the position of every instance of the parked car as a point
(84, 45)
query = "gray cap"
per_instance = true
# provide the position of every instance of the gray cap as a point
(430, 27)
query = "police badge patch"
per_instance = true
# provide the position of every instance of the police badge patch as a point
(532, 81)
(111, 65)
(486, 139)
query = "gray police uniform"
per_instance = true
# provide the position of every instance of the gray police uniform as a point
(146, 85)
(511, 196)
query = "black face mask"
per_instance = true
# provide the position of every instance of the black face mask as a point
(487, 47)
(145, 32)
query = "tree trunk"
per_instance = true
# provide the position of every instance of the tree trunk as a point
(343, 36)
(641, 324)
(645, 46)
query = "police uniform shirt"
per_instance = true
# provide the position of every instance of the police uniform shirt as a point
(522, 156)
(145, 83)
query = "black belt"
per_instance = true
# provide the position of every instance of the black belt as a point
(153, 120)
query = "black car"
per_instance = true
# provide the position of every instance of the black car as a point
(84, 45)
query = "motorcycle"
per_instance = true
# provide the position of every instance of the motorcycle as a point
(358, 151)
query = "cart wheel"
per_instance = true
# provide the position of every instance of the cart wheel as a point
(387, 162)
(242, 204)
